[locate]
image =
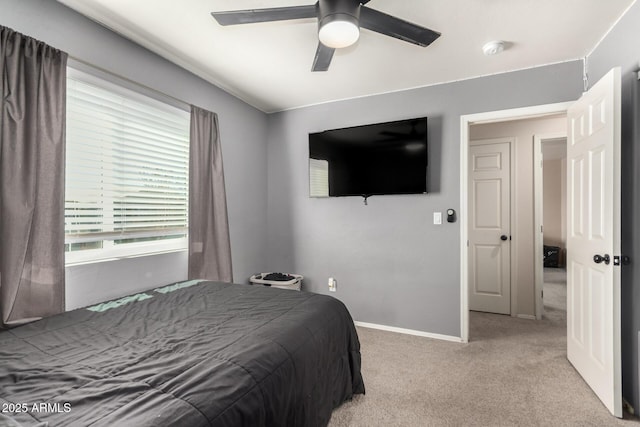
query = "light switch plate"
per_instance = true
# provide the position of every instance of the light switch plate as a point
(437, 218)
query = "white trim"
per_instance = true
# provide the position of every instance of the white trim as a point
(538, 214)
(613, 25)
(465, 122)
(521, 113)
(526, 316)
(408, 331)
(464, 229)
(128, 250)
(513, 229)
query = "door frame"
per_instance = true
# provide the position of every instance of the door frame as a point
(465, 122)
(538, 223)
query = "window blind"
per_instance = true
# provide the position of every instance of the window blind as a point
(318, 178)
(127, 160)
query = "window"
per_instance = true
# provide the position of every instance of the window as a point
(127, 159)
(318, 178)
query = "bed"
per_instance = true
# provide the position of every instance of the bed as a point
(195, 353)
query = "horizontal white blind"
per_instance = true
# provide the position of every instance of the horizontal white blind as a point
(318, 178)
(126, 167)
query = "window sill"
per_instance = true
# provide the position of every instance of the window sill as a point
(123, 257)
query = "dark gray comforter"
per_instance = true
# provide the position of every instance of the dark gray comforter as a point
(212, 354)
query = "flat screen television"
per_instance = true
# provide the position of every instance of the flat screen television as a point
(376, 159)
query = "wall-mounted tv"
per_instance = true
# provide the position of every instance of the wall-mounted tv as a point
(381, 158)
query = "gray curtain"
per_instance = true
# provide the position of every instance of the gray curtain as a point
(209, 243)
(32, 138)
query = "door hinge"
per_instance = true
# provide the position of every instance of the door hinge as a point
(621, 260)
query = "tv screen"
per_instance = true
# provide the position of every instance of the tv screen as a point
(382, 158)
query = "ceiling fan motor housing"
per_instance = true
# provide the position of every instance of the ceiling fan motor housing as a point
(338, 10)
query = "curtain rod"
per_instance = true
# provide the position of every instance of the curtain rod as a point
(80, 64)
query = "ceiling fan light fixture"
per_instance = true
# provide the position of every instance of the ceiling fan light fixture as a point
(339, 23)
(339, 33)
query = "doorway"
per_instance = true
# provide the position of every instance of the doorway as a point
(520, 300)
(503, 257)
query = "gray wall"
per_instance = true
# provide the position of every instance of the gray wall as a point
(393, 266)
(620, 48)
(243, 132)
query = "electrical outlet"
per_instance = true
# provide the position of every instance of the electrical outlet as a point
(332, 284)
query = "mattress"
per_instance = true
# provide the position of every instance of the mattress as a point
(196, 353)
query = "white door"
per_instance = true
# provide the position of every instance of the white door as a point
(489, 226)
(593, 239)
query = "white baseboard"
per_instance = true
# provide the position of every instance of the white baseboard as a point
(526, 316)
(409, 332)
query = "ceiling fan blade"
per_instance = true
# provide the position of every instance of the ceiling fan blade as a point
(250, 16)
(323, 58)
(396, 27)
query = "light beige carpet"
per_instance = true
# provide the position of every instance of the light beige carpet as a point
(513, 372)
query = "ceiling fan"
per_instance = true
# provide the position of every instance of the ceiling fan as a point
(339, 23)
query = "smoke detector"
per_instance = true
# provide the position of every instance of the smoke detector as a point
(493, 47)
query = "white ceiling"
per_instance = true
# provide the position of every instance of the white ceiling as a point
(269, 64)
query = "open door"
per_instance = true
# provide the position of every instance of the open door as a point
(593, 239)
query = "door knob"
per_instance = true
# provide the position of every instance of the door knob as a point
(598, 259)
(503, 237)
